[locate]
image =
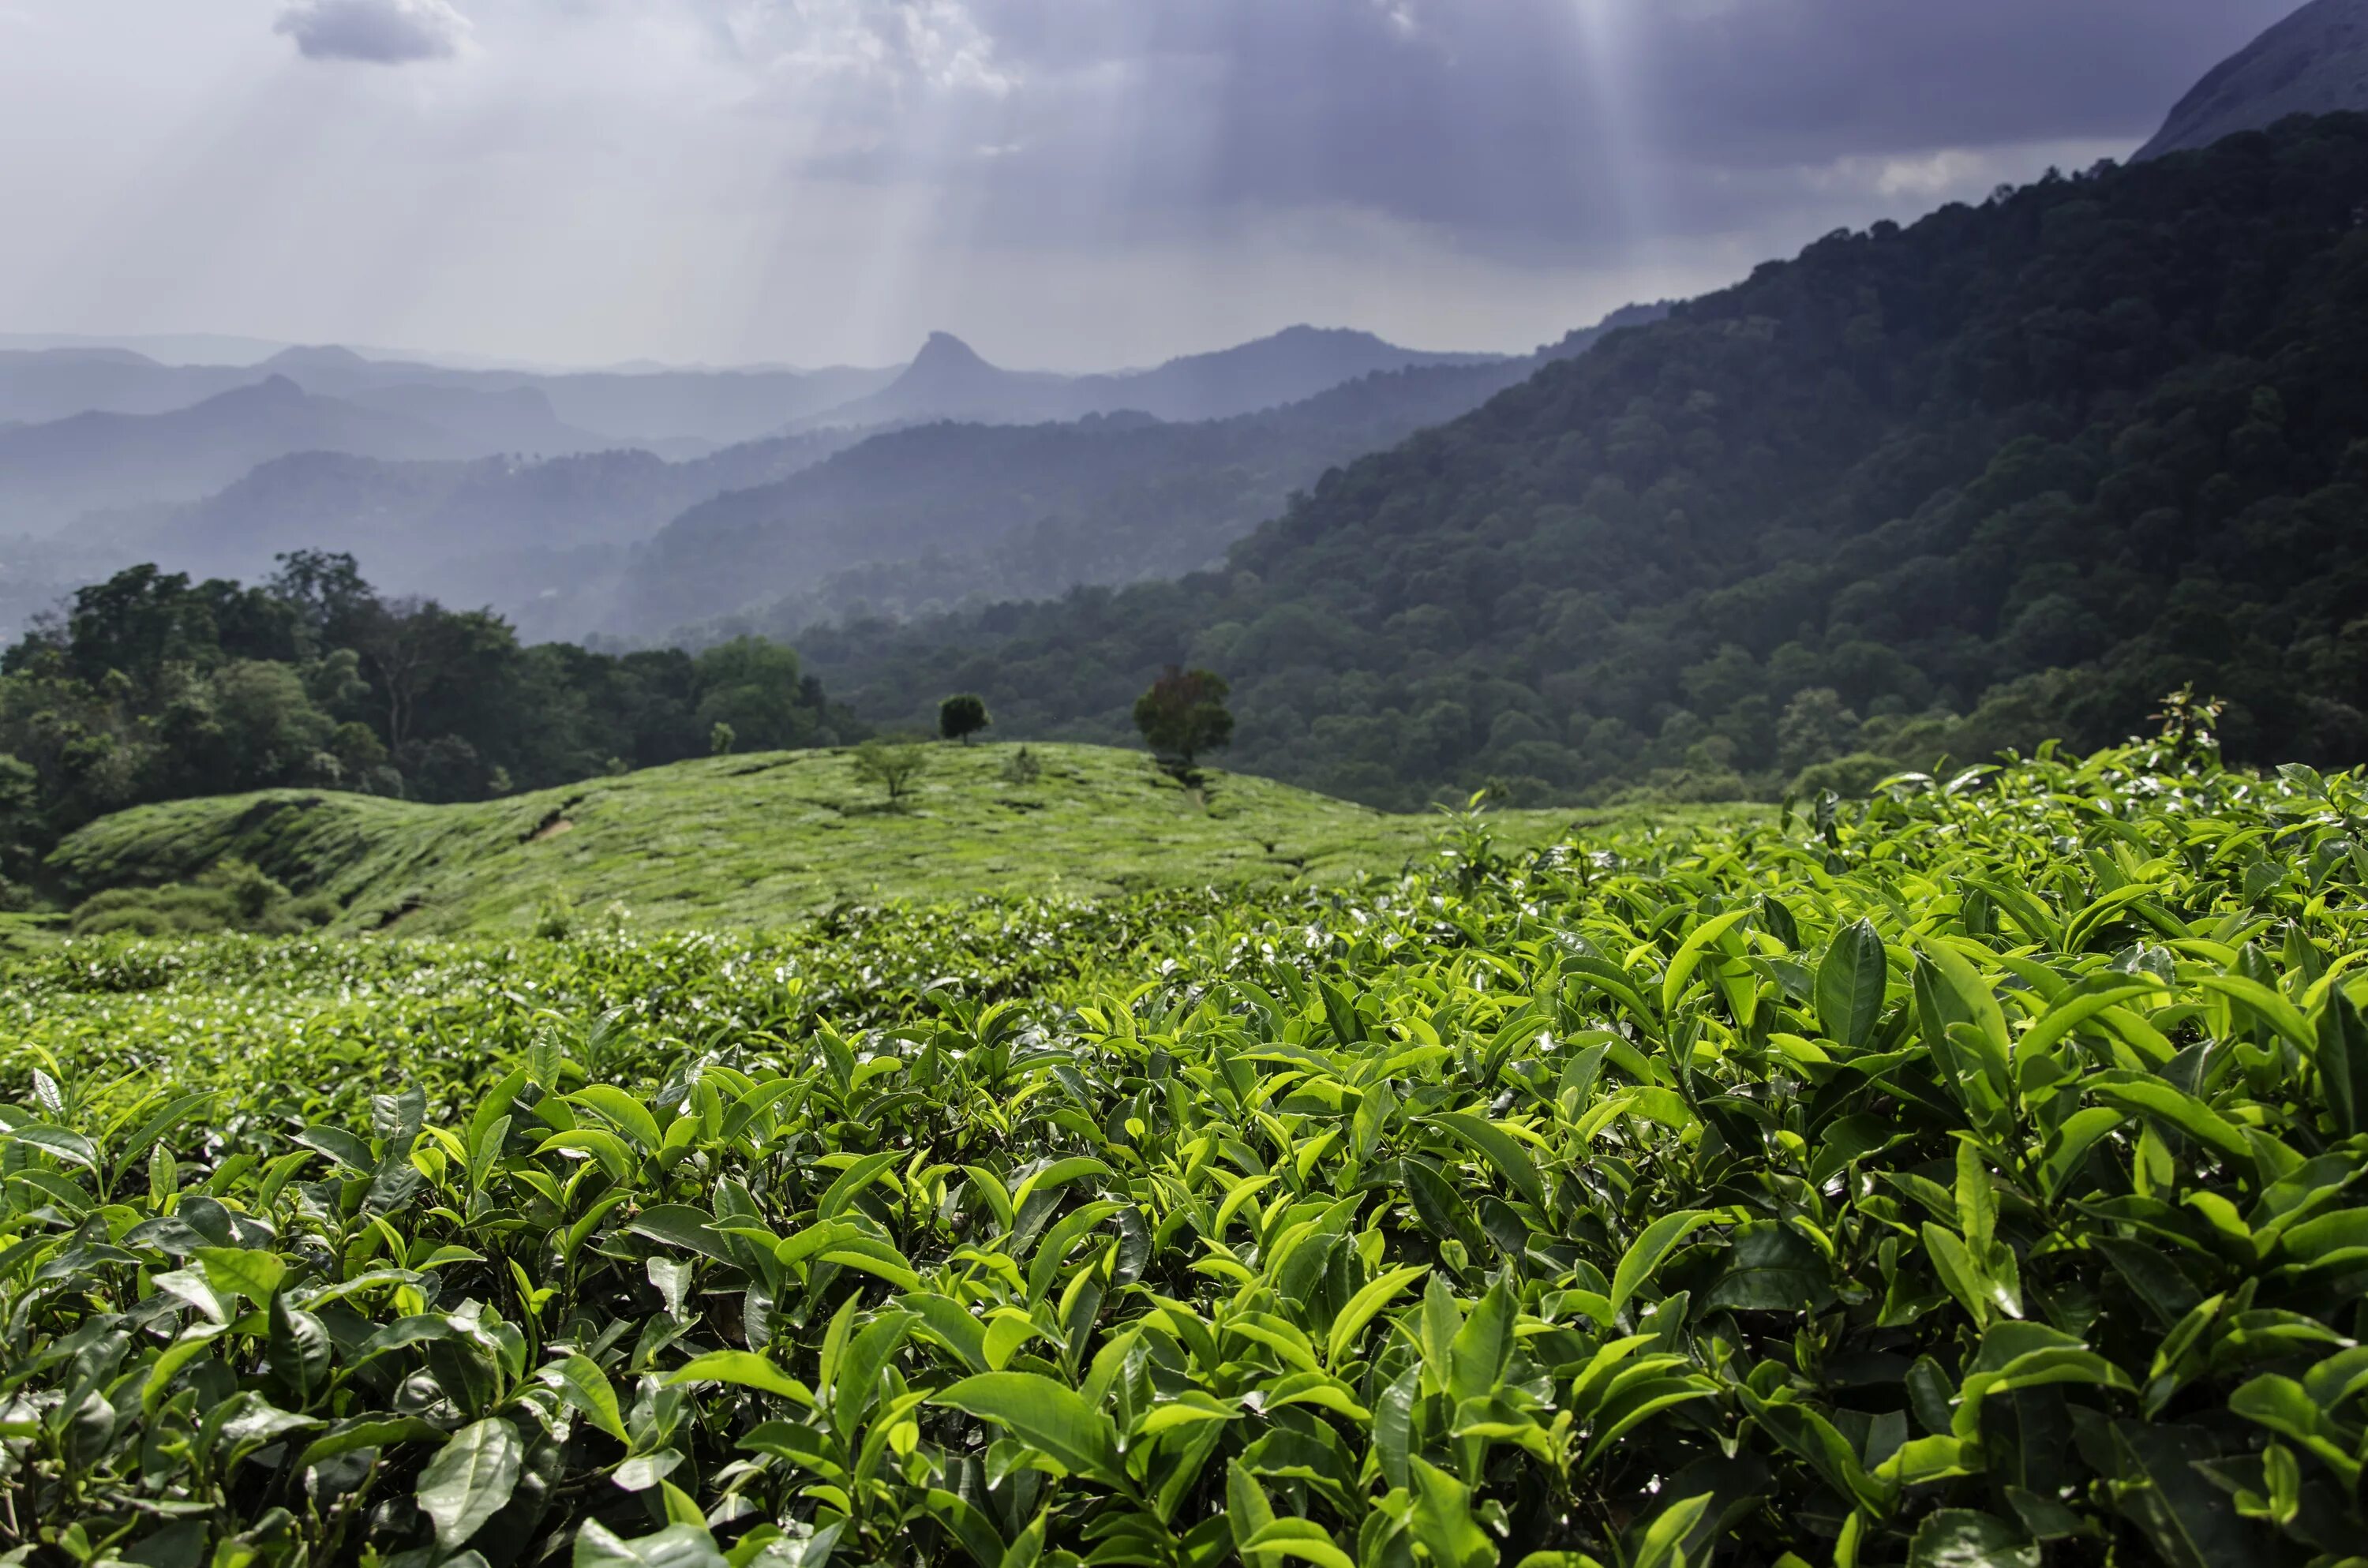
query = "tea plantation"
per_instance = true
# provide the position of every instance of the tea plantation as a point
(763, 839)
(1976, 1175)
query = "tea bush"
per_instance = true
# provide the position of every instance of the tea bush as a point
(1971, 1176)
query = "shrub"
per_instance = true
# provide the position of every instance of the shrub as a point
(894, 765)
(1849, 777)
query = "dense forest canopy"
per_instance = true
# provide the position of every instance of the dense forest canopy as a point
(2010, 472)
(152, 687)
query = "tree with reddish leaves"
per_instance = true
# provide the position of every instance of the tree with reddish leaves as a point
(1183, 715)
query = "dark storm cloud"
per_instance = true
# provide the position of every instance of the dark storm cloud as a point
(380, 32)
(1518, 122)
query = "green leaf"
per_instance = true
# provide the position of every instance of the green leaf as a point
(1361, 1308)
(1499, 1149)
(1669, 1529)
(676, 1546)
(470, 1480)
(346, 1437)
(1044, 1415)
(950, 1324)
(745, 1368)
(1441, 1520)
(582, 1384)
(300, 1348)
(1645, 1254)
(1850, 981)
(2150, 1096)
(1302, 1539)
(1965, 1538)
(679, 1224)
(2283, 1014)
(2284, 1406)
(852, 1181)
(69, 1146)
(1690, 953)
(242, 1270)
(615, 1155)
(1060, 1173)
(622, 1110)
(2342, 1058)
(1772, 1268)
(1483, 1348)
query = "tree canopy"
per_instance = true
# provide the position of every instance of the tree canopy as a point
(151, 687)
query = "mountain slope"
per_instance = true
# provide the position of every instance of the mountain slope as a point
(2013, 471)
(2315, 62)
(762, 840)
(541, 541)
(943, 513)
(52, 474)
(41, 385)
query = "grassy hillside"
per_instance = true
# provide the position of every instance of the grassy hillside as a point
(762, 839)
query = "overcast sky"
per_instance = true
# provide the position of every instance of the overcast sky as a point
(1076, 184)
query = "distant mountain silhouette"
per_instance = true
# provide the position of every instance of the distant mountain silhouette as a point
(664, 410)
(52, 473)
(940, 513)
(39, 385)
(947, 380)
(2315, 62)
(534, 537)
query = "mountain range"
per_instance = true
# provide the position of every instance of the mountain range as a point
(2314, 61)
(95, 430)
(938, 514)
(949, 381)
(53, 473)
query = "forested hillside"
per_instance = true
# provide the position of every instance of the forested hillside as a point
(544, 540)
(153, 687)
(2013, 472)
(931, 516)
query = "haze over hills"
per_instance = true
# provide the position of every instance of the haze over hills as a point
(2314, 61)
(949, 381)
(635, 407)
(942, 514)
(544, 540)
(52, 473)
(930, 517)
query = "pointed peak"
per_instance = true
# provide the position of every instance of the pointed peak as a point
(945, 348)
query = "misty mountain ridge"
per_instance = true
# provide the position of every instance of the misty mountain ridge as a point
(947, 513)
(52, 473)
(947, 380)
(532, 536)
(2315, 62)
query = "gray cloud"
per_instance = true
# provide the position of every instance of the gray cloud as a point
(1517, 124)
(381, 32)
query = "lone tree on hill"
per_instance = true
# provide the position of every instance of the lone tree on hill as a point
(962, 716)
(1183, 715)
(896, 766)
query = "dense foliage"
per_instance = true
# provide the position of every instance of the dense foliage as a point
(2007, 473)
(1965, 1176)
(154, 688)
